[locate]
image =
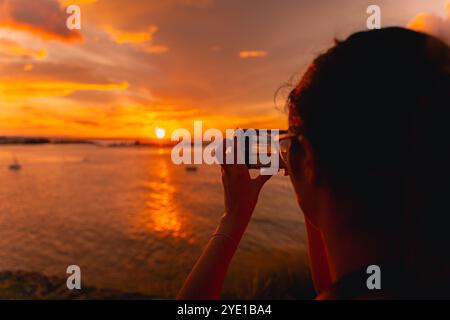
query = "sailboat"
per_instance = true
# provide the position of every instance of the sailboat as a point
(191, 169)
(15, 166)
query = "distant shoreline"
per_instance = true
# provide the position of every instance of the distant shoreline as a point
(4, 140)
(109, 143)
(41, 140)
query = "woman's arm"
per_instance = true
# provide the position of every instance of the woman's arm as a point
(206, 278)
(241, 194)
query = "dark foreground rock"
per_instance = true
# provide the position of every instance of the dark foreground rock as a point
(33, 285)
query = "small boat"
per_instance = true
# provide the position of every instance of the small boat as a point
(191, 169)
(15, 166)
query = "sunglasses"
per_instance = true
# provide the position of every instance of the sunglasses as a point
(285, 143)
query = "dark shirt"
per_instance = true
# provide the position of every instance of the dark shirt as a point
(394, 285)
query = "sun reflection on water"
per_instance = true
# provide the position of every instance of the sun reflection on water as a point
(161, 214)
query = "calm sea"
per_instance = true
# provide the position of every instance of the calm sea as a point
(135, 222)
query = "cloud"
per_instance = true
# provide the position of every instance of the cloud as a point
(252, 54)
(65, 3)
(14, 49)
(141, 39)
(44, 18)
(433, 24)
(11, 90)
(122, 37)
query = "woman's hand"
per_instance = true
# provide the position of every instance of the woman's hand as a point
(241, 194)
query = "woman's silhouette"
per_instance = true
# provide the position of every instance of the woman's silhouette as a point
(367, 156)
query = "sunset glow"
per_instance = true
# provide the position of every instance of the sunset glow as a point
(133, 65)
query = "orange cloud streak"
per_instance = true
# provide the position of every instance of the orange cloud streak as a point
(121, 37)
(10, 90)
(252, 54)
(433, 24)
(12, 48)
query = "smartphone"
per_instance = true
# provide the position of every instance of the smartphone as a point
(260, 148)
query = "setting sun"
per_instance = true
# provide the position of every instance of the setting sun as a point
(160, 133)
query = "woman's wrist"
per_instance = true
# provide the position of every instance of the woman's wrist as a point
(232, 227)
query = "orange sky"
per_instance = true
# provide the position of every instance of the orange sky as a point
(140, 64)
